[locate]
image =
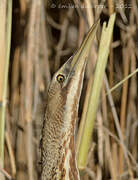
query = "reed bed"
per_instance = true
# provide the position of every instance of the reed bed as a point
(44, 35)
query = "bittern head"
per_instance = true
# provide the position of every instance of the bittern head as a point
(68, 80)
(58, 152)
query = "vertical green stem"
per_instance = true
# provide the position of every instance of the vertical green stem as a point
(95, 92)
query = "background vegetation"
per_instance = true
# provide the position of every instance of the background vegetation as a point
(44, 35)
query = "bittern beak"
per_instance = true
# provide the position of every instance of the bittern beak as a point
(80, 58)
(78, 61)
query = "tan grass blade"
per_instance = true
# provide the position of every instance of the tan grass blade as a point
(5, 39)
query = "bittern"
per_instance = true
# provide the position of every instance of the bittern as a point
(58, 144)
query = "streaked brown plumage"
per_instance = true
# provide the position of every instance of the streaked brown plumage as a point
(58, 150)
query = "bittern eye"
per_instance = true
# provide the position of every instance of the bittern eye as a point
(60, 78)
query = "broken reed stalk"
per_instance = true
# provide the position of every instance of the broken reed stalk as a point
(5, 40)
(95, 92)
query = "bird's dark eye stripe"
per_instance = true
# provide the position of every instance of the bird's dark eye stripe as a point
(60, 78)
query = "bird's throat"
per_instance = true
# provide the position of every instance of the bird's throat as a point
(58, 147)
(59, 158)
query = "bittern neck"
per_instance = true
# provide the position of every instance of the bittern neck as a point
(58, 149)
